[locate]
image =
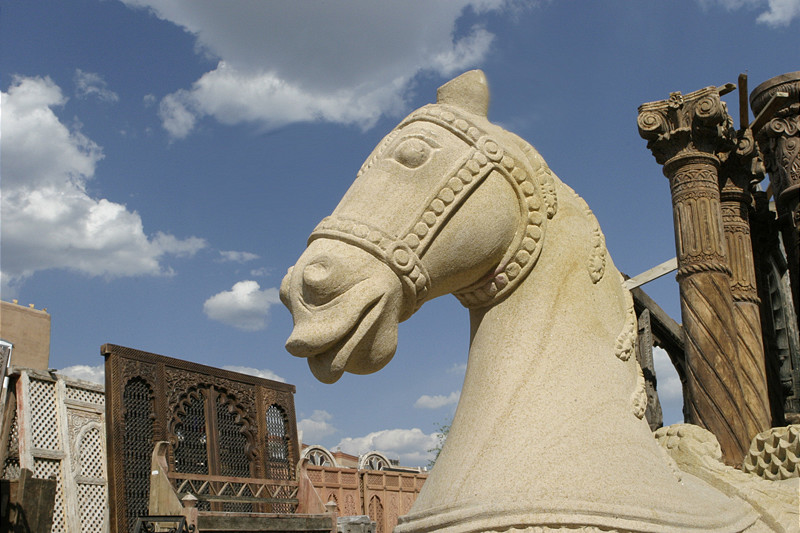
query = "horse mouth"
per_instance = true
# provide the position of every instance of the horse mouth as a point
(354, 347)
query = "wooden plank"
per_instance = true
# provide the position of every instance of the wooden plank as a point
(649, 275)
(33, 503)
(776, 102)
(213, 521)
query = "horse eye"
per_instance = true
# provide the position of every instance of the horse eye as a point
(412, 152)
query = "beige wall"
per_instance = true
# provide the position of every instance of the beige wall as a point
(28, 329)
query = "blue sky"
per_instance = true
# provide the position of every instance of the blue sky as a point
(163, 163)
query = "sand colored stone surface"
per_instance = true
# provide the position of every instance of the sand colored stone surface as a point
(549, 432)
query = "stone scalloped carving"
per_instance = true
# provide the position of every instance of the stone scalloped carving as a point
(775, 454)
(697, 452)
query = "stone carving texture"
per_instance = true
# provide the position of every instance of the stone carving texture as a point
(775, 453)
(550, 346)
(697, 452)
(686, 134)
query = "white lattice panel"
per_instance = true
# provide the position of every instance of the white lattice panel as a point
(46, 468)
(44, 417)
(84, 395)
(92, 503)
(91, 454)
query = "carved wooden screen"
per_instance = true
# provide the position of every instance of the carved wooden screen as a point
(138, 415)
(218, 422)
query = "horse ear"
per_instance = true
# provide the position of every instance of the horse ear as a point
(470, 92)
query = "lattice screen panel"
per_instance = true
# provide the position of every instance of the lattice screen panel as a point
(51, 468)
(92, 503)
(11, 467)
(65, 442)
(138, 421)
(232, 443)
(214, 420)
(91, 454)
(79, 394)
(278, 466)
(44, 419)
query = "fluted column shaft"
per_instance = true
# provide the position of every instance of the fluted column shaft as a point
(685, 133)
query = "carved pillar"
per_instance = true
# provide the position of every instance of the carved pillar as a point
(779, 140)
(685, 134)
(742, 167)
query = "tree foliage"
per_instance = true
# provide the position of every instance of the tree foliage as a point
(441, 435)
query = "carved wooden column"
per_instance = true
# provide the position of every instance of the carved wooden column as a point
(742, 167)
(779, 140)
(685, 134)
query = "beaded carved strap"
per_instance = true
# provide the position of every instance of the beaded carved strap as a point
(396, 254)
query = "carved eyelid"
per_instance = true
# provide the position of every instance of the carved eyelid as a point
(425, 137)
(413, 154)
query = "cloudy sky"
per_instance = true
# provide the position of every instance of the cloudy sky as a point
(163, 162)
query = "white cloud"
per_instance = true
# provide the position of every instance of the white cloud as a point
(237, 257)
(410, 446)
(457, 368)
(95, 374)
(259, 373)
(49, 220)
(435, 402)
(260, 272)
(276, 64)
(92, 84)
(670, 391)
(245, 306)
(778, 12)
(315, 427)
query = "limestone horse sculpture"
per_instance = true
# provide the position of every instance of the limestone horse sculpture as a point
(549, 431)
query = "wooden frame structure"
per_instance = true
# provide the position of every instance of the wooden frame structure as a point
(217, 423)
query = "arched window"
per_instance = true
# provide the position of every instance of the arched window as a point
(318, 456)
(233, 459)
(373, 461)
(138, 417)
(376, 512)
(278, 464)
(91, 479)
(191, 455)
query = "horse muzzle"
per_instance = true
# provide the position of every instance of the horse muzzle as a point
(346, 305)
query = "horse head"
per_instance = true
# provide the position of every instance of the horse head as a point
(446, 203)
(549, 430)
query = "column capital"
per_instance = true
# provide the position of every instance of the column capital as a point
(687, 125)
(742, 168)
(779, 138)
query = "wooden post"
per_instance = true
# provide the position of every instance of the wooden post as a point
(777, 129)
(685, 134)
(741, 168)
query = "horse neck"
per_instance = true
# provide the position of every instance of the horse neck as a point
(557, 353)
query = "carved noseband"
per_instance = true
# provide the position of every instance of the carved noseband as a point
(533, 184)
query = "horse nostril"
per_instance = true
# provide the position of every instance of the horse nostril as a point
(316, 273)
(319, 284)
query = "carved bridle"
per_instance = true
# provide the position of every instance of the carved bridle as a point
(531, 180)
